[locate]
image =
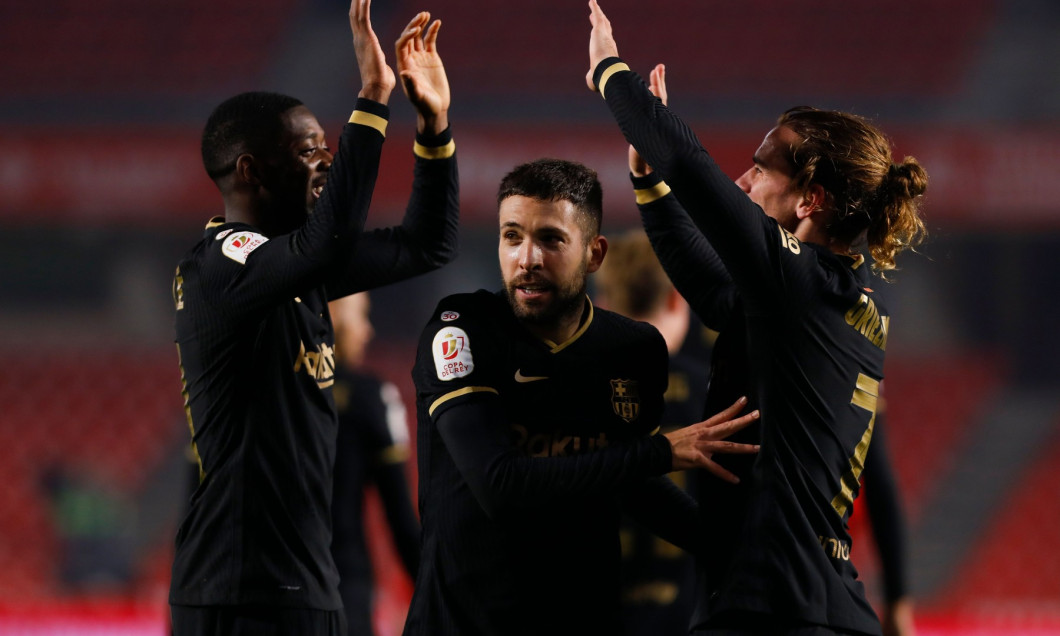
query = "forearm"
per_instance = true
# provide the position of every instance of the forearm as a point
(885, 514)
(400, 513)
(665, 510)
(690, 262)
(501, 477)
(428, 234)
(721, 211)
(339, 215)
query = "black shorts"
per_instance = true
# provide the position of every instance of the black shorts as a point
(256, 620)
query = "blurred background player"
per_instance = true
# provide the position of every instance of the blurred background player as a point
(658, 578)
(372, 450)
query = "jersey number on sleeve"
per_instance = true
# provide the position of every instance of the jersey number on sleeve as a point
(865, 395)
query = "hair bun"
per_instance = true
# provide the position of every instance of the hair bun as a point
(907, 179)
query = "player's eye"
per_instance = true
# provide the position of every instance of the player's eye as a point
(308, 152)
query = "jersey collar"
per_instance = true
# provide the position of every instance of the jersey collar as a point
(587, 319)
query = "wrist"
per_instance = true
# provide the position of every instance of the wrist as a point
(433, 123)
(376, 91)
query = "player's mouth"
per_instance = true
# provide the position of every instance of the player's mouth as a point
(533, 291)
(318, 188)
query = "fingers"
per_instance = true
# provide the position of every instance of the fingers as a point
(658, 83)
(412, 30)
(727, 414)
(430, 40)
(728, 448)
(725, 429)
(361, 11)
(715, 469)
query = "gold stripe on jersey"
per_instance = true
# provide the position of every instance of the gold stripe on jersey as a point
(455, 394)
(214, 222)
(368, 119)
(617, 67)
(654, 193)
(394, 454)
(556, 348)
(435, 152)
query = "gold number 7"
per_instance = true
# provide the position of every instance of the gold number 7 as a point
(866, 394)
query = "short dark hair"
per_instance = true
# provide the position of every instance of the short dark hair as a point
(249, 122)
(558, 180)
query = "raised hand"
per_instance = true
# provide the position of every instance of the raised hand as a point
(657, 84)
(377, 79)
(422, 74)
(601, 42)
(694, 445)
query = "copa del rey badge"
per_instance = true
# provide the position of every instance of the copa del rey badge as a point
(625, 399)
(452, 354)
(239, 245)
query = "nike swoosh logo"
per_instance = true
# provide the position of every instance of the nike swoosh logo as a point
(519, 377)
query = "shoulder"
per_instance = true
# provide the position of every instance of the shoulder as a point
(463, 331)
(469, 311)
(614, 325)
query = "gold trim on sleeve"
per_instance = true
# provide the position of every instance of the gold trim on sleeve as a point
(654, 193)
(617, 67)
(455, 394)
(368, 119)
(435, 152)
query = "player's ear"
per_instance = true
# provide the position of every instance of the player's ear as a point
(812, 201)
(247, 169)
(597, 248)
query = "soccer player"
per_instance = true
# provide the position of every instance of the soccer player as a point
(535, 413)
(658, 579)
(255, 338)
(372, 449)
(775, 260)
(675, 237)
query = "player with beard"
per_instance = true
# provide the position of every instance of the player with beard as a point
(536, 414)
(256, 342)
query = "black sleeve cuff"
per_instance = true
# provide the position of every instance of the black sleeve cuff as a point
(649, 180)
(372, 107)
(435, 141)
(605, 64)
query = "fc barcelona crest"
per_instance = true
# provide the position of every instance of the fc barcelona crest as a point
(625, 399)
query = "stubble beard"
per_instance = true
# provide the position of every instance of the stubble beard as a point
(569, 299)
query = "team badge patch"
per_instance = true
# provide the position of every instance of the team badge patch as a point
(625, 399)
(222, 234)
(239, 245)
(452, 354)
(449, 316)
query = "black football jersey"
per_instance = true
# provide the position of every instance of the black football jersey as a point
(256, 350)
(804, 334)
(520, 513)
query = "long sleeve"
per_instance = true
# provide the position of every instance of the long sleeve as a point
(746, 240)
(427, 237)
(478, 437)
(250, 273)
(666, 510)
(885, 514)
(692, 264)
